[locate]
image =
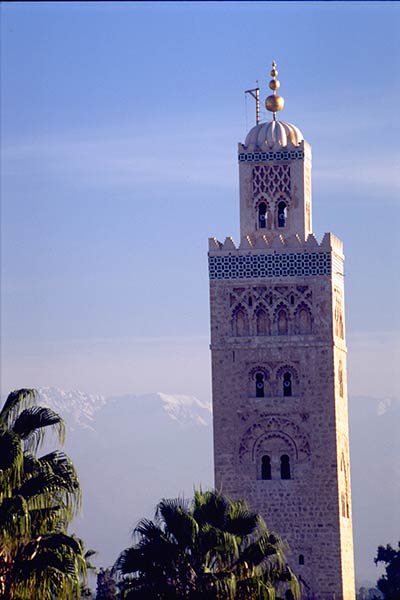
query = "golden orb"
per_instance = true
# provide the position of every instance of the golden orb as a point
(274, 72)
(274, 84)
(274, 103)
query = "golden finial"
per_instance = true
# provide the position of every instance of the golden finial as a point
(275, 102)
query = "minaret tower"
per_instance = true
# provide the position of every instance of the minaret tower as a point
(279, 361)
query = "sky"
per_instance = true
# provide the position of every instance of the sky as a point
(120, 124)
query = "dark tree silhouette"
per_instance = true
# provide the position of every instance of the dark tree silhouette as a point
(389, 584)
(210, 549)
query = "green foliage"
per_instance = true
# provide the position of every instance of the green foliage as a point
(38, 498)
(212, 548)
(389, 584)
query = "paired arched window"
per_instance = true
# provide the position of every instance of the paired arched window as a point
(262, 215)
(266, 467)
(285, 466)
(282, 214)
(260, 392)
(287, 384)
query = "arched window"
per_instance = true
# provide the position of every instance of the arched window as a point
(250, 301)
(263, 324)
(301, 559)
(262, 215)
(285, 466)
(266, 467)
(282, 214)
(282, 322)
(259, 385)
(287, 384)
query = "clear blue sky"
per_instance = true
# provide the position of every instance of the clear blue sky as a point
(119, 130)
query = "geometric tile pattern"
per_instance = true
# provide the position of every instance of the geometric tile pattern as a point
(234, 266)
(261, 156)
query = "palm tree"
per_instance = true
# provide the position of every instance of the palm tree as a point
(212, 548)
(38, 498)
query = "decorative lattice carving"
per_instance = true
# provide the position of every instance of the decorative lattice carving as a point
(273, 426)
(271, 180)
(234, 266)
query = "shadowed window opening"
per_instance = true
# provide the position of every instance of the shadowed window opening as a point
(301, 559)
(287, 384)
(262, 215)
(266, 467)
(250, 301)
(285, 467)
(260, 385)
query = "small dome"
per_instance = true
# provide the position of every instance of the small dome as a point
(273, 134)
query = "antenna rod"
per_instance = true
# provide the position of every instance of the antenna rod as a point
(255, 93)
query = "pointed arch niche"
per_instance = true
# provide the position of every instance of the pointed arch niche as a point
(281, 320)
(263, 323)
(303, 319)
(240, 322)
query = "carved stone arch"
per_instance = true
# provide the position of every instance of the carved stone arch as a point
(287, 368)
(303, 319)
(262, 211)
(262, 198)
(281, 319)
(273, 426)
(286, 381)
(259, 384)
(263, 445)
(262, 320)
(292, 296)
(281, 215)
(259, 369)
(240, 321)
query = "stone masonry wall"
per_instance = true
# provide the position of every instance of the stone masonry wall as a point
(271, 331)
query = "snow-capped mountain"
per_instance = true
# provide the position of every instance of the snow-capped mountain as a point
(76, 407)
(79, 408)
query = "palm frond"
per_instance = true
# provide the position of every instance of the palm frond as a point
(11, 462)
(30, 425)
(16, 401)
